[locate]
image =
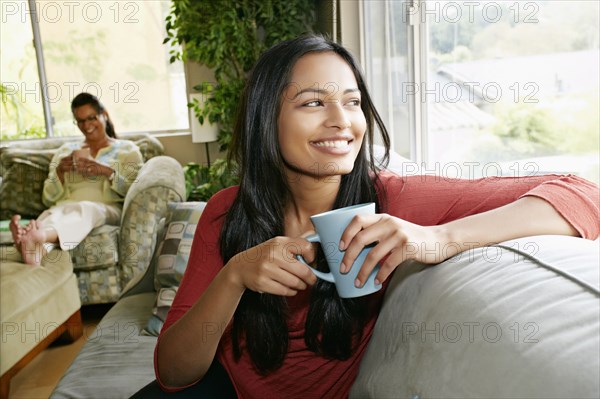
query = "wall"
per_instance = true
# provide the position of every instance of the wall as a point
(349, 26)
(180, 145)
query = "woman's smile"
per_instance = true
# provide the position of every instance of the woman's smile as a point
(334, 146)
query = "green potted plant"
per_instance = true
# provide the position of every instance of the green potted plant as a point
(228, 36)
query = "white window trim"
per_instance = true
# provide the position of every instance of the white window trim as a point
(418, 54)
(418, 47)
(417, 67)
(41, 67)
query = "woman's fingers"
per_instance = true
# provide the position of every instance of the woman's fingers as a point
(274, 279)
(363, 231)
(277, 284)
(289, 280)
(390, 264)
(357, 224)
(279, 289)
(389, 236)
(88, 167)
(377, 253)
(272, 267)
(66, 164)
(300, 246)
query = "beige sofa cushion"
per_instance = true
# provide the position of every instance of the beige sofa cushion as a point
(34, 301)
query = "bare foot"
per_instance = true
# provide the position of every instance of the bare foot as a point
(32, 244)
(17, 231)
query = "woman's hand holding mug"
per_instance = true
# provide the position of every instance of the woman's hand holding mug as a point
(272, 267)
(395, 240)
(363, 248)
(329, 228)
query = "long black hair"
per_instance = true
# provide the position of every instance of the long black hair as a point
(87, 98)
(333, 324)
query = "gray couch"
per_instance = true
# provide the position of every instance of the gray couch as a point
(518, 320)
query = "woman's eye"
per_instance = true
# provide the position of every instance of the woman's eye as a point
(354, 102)
(314, 103)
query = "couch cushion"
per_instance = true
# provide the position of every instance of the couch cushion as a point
(24, 173)
(159, 182)
(116, 361)
(99, 285)
(518, 321)
(98, 250)
(171, 257)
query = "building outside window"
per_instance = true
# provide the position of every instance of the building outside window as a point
(112, 49)
(480, 88)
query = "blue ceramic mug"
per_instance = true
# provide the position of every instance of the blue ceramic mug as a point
(329, 227)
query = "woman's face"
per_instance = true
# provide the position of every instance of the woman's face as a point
(321, 124)
(90, 123)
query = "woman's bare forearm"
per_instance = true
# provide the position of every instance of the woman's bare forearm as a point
(527, 216)
(188, 347)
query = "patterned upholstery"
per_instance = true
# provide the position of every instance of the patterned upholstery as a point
(111, 255)
(99, 249)
(20, 166)
(171, 257)
(99, 286)
(140, 228)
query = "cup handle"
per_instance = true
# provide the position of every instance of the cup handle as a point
(321, 275)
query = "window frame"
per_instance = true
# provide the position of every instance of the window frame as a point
(41, 67)
(417, 42)
(49, 119)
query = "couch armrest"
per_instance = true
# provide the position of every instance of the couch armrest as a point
(140, 283)
(160, 171)
(159, 182)
(516, 320)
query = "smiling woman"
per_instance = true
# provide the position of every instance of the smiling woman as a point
(304, 144)
(85, 186)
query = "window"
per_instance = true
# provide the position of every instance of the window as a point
(112, 49)
(19, 78)
(480, 88)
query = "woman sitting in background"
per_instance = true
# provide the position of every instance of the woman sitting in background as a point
(85, 187)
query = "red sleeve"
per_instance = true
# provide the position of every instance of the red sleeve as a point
(204, 264)
(432, 200)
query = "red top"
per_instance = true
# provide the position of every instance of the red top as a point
(424, 200)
